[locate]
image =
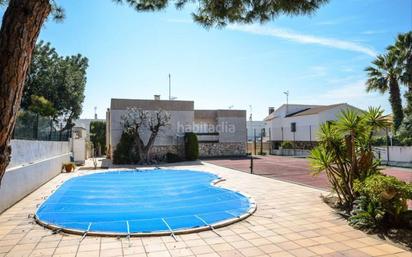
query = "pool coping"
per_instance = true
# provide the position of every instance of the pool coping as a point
(224, 223)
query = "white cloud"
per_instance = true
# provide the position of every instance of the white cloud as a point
(304, 38)
(373, 32)
(353, 93)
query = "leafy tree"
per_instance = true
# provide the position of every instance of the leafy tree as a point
(60, 80)
(98, 134)
(125, 152)
(139, 124)
(384, 76)
(23, 20)
(40, 106)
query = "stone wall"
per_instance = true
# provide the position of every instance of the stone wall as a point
(221, 149)
(158, 152)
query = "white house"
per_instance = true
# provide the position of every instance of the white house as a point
(300, 123)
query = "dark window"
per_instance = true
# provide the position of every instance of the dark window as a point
(293, 127)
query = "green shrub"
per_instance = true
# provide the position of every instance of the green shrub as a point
(171, 158)
(390, 193)
(125, 152)
(379, 141)
(286, 145)
(366, 214)
(191, 147)
(98, 135)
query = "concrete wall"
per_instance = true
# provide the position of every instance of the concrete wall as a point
(33, 164)
(233, 129)
(25, 152)
(307, 126)
(396, 153)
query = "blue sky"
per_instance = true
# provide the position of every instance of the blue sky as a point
(320, 59)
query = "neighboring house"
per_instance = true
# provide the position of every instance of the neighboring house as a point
(255, 129)
(300, 123)
(220, 132)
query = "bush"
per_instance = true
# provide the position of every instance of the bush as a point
(191, 147)
(98, 135)
(125, 152)
(387, 192)
(286, 145)
(366, 214)
(171, 158)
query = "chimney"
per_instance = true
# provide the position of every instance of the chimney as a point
(157, 97)
(271, 109)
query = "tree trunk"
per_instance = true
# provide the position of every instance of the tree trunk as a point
(20, 28)
(396, 103)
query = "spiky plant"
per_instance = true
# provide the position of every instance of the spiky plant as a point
(344, 152)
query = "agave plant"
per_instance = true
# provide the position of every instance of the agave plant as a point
(345, 153)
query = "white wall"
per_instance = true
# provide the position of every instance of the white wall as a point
(33, 164)
(306, 128)
(396, 153)
(233, 129)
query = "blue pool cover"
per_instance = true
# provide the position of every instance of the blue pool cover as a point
(137, 201)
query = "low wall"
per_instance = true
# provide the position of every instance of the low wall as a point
(221, 149)
(33, 163)
(291, 152)
(397, 154)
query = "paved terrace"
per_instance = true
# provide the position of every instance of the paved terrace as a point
(290, 220)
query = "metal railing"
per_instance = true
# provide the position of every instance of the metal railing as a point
(31, 126)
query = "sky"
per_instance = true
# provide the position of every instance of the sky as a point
(319, 59)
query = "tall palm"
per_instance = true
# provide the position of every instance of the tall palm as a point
(384, 75)
(402, 49)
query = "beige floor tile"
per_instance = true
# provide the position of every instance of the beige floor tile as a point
(159, 254)
(288, 245)
(251, 251)
(302, 252)
(270, 248)
(222, 247)
(320, 249)
(88, 254)
(201, 249)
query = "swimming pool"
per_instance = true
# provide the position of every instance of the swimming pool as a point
(139, 202)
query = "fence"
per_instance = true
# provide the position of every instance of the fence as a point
(302, 133)
(265, 147)
(31, 126)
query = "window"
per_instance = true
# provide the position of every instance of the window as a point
(293, 127)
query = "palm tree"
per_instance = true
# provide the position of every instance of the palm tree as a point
(384, 76)
(402, 49)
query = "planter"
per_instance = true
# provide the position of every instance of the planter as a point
(69, 167)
